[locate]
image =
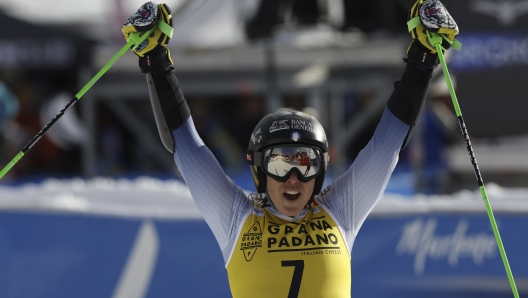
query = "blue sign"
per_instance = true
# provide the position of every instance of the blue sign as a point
(434, 255)
(437, 256)
(489, 51)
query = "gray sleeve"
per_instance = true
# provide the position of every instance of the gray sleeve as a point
(222, 203)
(352, 196)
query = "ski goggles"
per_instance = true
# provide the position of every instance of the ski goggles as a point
(308, 162)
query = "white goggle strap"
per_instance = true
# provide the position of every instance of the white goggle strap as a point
(326, 158)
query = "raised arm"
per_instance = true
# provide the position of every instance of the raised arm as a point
(218, 198)
(353, 195)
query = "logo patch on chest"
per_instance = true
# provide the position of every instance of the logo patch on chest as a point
(251, 241)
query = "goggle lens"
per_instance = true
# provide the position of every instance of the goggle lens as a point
(279, 161)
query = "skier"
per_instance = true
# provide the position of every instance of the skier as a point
(291, 238)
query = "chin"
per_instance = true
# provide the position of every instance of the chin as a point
(292, 211)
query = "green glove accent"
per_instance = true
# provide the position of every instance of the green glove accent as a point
(413, 23)
(150, 15)
(455, 44)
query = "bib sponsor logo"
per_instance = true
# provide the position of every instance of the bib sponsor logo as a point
(278, 125)
(418, 239)
(321, 251)
(309, 238)
(251, 241)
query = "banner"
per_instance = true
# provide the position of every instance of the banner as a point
(434, 255)
(438, 255)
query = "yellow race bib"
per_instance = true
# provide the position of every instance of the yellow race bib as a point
(275, 257)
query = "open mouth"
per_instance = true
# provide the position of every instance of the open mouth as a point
(292, 195)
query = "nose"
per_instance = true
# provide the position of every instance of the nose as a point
(293, 177)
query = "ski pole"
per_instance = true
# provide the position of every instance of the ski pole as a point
(135, 39)
(436, 39)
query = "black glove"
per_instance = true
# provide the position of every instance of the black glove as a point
(429, 16)
(153, 53)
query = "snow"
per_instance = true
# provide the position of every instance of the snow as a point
(170, 199)
(141, 197)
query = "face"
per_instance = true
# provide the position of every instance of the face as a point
(291, 196)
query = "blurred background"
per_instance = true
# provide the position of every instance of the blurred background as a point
(236, 61)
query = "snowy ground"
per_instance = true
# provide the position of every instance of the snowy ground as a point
(150, 197)
(141, 197)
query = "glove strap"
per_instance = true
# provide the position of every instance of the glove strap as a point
(140, 37)
(415, 22)
(155, 60)
(165, 28)
(422, 56)
(455, 44)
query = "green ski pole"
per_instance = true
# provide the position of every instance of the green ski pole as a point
(436, 39)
